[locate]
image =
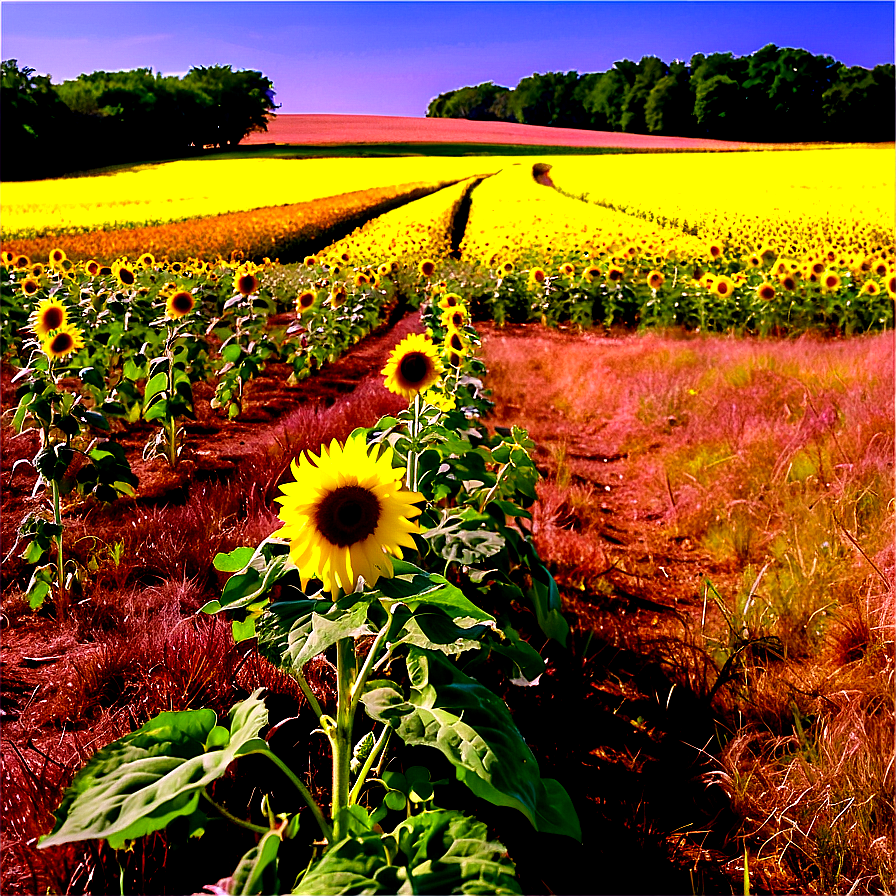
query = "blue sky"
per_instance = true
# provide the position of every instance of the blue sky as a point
(392, 58)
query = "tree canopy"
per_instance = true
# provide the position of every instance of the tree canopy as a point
(777, 94)
(105, 118)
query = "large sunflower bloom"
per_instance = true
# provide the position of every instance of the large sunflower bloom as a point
(179, 304)
(413, 366)
(345, 513)
(49, 315)
(62, 342)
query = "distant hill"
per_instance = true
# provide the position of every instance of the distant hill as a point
(338, 129)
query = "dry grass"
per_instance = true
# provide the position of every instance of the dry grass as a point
(741, 493)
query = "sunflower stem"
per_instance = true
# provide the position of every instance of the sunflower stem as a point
(257, 828)
(171, 423)
(60, 573)
(341, 735)
(414, 454)
(368, 666)
(309, 694)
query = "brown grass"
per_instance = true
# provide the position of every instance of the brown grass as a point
(735, 497)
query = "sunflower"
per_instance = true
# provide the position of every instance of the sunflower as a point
(615, 274)
(345, 514)
(413, 366)
(891, 285)
(310, 261)
(766, 291)
(715, 250)
(8, 259)
(427, 267)
(30, 286)
(37, 270)
(831, 280)
(722, 287)
(384, 269)
(536, 276)
(455, 344)
(754, 261)
(567, 269)
(147, 260)
(506, 267)
(345, 258)
(590, 273)
(22, 261)
(450, 300)
(454, 318)
(361, 279)
(305, 301)
(870, 288)
(338, 297)
(50, 315)
(246, 283)
(880, 268)
(57, 256)
(125, 275)
(179, 304)
(788, 282)
(65, 340)
(655, 279)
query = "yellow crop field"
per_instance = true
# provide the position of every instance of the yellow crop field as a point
(513, 215)
(255, 233)
(174, 191)
(420, 229)
(798, 201)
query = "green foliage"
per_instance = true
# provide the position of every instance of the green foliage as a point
(775, 94)
(142, 781)
(437, 851)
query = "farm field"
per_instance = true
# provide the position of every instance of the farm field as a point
(651, 440)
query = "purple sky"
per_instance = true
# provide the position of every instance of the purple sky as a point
(392, 58)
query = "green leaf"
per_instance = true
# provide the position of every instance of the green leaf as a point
(546, 602)
(347, 618)
(139, 783)
(155, 385)
(231, 353)
(434, 852)
(235, 561)
(249, 877)
(413, 587)
(473, 728)
(464, 537)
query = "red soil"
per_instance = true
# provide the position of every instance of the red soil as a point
(322, 129)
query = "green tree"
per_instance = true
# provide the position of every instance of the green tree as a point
(476, 103)
(34, 123)
(604, 102)
(669, 109)
(547, 99)
(717, 98)
(238, 103)
(650, 70)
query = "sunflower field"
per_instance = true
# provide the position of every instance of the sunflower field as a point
(399, 599)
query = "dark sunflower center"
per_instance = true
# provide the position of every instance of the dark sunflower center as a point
(126, 277)
(347, 515)
(246, 285)
(182, 302)
(53, 318)
(62, 343)
(414, 367)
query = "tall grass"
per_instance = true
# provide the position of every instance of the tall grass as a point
(746, 487)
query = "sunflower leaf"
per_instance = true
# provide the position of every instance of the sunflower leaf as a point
(473, 728)
(435, 851)
(139, 783)
(414, 588)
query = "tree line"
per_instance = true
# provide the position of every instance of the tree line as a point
(107, 118)
(777, 94)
